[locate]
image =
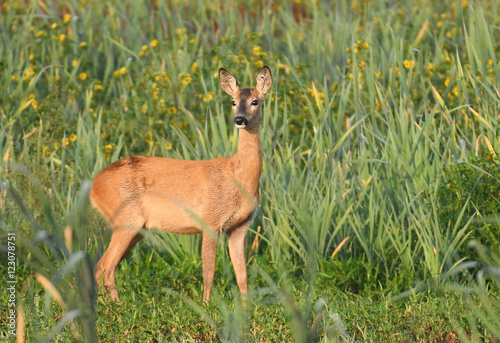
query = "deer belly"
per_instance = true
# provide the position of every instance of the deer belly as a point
(169, 214)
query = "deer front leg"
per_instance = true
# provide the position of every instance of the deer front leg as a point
(208, 254)
(236, 240)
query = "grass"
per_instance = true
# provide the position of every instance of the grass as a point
(379, 191)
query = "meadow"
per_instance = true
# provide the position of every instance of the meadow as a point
(380, 186)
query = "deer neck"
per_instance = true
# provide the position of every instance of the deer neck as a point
(248, 161)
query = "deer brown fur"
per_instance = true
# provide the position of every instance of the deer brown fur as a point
(211, 197)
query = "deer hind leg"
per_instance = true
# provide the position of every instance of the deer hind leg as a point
(208, 255)
(236, 240)
(123, 239)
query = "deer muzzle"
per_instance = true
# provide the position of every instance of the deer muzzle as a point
(241, 122)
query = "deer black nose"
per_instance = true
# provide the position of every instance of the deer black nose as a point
(241, 121)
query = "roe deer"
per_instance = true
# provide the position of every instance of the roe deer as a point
(178, 196)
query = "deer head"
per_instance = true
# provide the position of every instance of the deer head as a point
(247, 102)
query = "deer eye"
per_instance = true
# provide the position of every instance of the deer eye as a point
(234, 103)
(255, 103)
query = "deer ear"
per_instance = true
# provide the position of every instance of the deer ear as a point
(264, 80)
(228, 82)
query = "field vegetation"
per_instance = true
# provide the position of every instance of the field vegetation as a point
(380, 189)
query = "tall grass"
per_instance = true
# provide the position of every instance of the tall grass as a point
(371, 103)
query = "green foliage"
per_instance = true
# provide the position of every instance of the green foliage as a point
(474, 188)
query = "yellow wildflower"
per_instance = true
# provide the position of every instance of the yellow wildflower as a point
(144, 108)
(172, 110)
(62, 37)
(154, 43)
(74, 63)
(187, 80)
(67, 18)
(54, 26)
(39, 34)
(28, 72)
(257, 50)
(206, 97)
(32, 56)
(46, 150)
(194, 67)
(123, 70)
(408, 64)
(83, 76)
(98, 87)
(107, 149)
(83, 44)
(73, 137)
